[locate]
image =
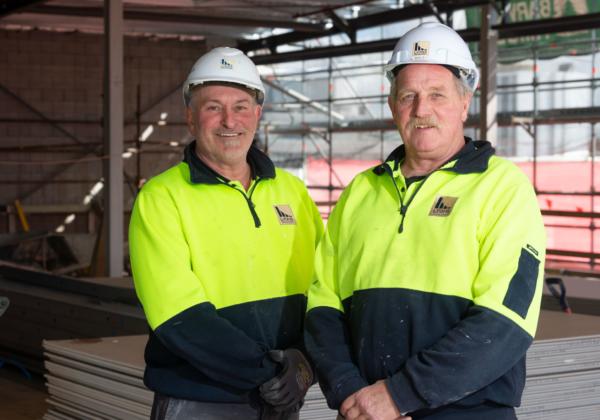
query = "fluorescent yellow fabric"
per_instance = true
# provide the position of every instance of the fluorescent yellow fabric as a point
(194, 243)
(472, 253)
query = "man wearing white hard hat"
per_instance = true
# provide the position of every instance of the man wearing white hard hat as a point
(428, 279)
(222, 250)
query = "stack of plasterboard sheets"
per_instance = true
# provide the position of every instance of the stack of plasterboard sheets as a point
(315, 406)
(102, 378)
(97, 379)
(563, 369)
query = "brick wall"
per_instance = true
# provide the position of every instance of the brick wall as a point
(60, 74)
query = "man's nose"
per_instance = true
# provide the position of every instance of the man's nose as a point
(421, 107)
(227, 119)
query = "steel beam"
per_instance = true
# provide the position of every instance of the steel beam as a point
(302, 99)
(342, 25)
(51, 209)
(333, 6)
(488, 56)
(549, 26)
(97, 149)
(415, 11)
(55, 125)
(8, 7)
(44, 118)
(511, 30)
(186, 17)
(326, 52)
(505, 119)
(113, 136)
(363, 22)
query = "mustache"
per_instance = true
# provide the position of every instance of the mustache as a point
(427, 121)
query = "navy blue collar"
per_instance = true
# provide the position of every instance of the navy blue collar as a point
(472, 158)
(200, 173)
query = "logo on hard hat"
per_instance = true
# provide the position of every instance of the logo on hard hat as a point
(421, 48)
(226, 64)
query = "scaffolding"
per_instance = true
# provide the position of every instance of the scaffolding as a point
(539, 112)
(324, 110)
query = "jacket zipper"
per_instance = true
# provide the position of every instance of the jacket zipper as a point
(403, 207)
(248, 199)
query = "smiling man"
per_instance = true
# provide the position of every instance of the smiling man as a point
(428, 279)
(222, 250)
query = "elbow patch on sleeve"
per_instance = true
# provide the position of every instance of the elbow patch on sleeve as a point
(522, 286)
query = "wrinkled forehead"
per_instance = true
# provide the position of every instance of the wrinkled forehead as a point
(424, 76)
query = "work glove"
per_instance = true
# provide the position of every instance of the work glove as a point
(268, 412)
(286, 391)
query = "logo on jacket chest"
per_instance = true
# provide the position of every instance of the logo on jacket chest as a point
(285, 214)
(442, 206)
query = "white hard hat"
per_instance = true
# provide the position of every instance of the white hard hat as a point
(434, 43)
(224, 64)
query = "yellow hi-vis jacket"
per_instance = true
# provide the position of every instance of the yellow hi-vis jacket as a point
(222, 274)
(434, 286)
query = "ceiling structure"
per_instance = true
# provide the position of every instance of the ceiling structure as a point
(250, 19)
(260, 27)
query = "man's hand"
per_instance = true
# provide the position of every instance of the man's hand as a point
(287, 390)
(373, 402)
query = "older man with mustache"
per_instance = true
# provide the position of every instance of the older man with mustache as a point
(222, 251)
(428, 279)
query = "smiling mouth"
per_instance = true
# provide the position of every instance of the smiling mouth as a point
(229, 134)
(424, 126)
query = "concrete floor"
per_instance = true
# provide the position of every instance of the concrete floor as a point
(21, 398)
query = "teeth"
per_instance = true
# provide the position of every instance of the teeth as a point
(228, 134)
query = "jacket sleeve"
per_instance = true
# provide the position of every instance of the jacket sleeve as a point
(175, 303)
(326, 333)
(499, 327)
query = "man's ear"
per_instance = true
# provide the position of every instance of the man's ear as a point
(190, 120)
(465, 111)
(258, 112)
(390, 102)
